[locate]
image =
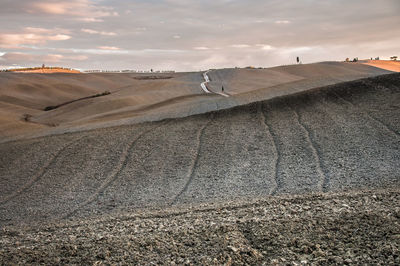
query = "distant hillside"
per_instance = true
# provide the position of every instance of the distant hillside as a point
(48, 70)
(138, 97)
(385, 64)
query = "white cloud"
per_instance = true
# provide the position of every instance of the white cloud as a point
(240, 46)
(301, 49)
(201, 48)
(104, 33)
(265, 47)
(177, 37)
(282, 22)
(100, 51)
(108, 48)
(76, 57)
(42, 30)
(59, 37)
(91, 19)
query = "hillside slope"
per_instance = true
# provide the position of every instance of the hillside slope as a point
(336, 138)
(137, 98)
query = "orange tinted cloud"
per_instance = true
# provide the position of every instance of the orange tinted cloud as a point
(25, 58)
(105, 33)
(108, 48)
(31, 36)
(87, 10)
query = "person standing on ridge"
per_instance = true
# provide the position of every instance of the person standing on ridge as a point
(222, 89)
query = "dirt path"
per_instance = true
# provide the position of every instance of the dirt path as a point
(206, 89)
(204, 83)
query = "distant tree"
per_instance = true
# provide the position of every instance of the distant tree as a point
(43, 66)
(377, 58)
(394, 58)
(298, 60)
(347, 59)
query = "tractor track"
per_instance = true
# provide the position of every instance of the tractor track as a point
(126, 153)
(267, 130)
(316, 151)
(195, 161)
(41, 172)
(278, 181)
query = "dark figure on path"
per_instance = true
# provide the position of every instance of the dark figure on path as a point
(222, 89)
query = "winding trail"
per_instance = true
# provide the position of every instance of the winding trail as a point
(278, 181)
(40, 172)
(323, 184)
(206, 81)
(276, 153)
(114, 174)
(195, 161)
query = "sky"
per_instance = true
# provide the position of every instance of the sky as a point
(191, 35)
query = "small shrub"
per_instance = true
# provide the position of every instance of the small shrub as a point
(26, 117)
(48, 108)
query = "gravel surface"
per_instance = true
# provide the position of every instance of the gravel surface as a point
(338, 228)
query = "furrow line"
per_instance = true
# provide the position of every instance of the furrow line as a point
(41, 172)
(267, 129)
(195, 161)
(279, 183)
(114, 174)
(324, 179)
(388, 128)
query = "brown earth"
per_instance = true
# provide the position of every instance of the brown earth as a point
(46, 70)
(135, 98)
(388, 65)
(361, 228)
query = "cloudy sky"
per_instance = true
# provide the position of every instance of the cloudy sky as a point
(194, 34)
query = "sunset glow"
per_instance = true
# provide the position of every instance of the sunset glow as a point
(193, 35)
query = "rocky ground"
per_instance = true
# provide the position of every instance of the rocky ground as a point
(320, 229)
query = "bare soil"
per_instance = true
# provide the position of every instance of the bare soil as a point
(139, 98)
(217, 187)
(337, 138)
(385, 64)
(319, 229)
